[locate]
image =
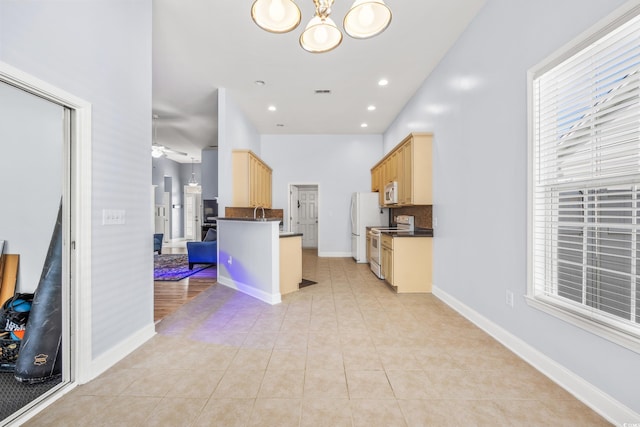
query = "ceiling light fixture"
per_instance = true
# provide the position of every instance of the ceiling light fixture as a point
(156, 152)
(192, 180)
(271, 108)
(365, 18)
(371, 107)
(276, 16)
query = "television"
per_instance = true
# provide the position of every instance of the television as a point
(210, 210)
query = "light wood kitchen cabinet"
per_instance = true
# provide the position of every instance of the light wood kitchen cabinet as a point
(375, 179)
(418, 165)
(410, 164)
(405, 181)
(377, 182)
(390, 168)
(386, 257)
(407, 263)
(251, 180)
(290, 264)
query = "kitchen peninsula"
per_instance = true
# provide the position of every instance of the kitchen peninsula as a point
(249, 257)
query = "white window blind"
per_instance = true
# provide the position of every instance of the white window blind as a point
(585, 183)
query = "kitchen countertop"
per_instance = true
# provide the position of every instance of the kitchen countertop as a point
(419, 232)
(289, 234)
(249, 219)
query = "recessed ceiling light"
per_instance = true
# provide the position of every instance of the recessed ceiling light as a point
(260, 82)
(364, 125)
(272, 108)
(371, 107)
(383, 82)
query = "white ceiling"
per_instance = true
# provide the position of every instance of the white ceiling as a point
(202, 45)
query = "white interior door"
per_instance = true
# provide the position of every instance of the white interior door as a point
(308, 217)
(192, 213)
(160, 218)
(166, 209)
(161, 214)
(166, 202)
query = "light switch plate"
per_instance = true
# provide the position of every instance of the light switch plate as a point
(113, 216)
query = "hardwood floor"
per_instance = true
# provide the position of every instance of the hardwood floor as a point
(170, 296)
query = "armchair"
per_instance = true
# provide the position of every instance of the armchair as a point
(205, 252)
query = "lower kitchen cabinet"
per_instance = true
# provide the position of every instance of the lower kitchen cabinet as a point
(386, 257)
(290, 263)
(407, 263)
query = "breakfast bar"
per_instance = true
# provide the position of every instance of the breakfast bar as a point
(249, 258)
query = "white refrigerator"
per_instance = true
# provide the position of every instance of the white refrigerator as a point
(365, 212)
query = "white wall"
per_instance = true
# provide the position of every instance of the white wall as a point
(100, 51)
(235, 131)
(339, 164)
(31, 140)
(475, 103)
(209, 174)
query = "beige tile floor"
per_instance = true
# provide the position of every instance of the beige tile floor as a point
(346, 351)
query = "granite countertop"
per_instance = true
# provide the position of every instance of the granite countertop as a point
(249, 219)
(418, 232)
(289, 234)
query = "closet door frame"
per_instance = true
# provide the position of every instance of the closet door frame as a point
(76, 194)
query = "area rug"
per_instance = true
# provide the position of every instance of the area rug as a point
(172, 267)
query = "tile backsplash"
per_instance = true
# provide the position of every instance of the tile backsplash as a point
(231, 212)
(422, 214)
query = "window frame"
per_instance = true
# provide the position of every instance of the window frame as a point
(597, 324)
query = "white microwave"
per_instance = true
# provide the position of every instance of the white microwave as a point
(391, 193)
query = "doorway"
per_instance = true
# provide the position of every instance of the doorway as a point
(303, 213)
(162, 219)
(192, 212)
(48, 131)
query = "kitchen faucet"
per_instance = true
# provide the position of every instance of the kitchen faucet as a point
(255, 209)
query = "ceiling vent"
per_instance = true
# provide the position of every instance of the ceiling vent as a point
(323, 92)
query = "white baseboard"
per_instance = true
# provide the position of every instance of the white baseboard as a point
(250, 290)
(587, 393)
(119, 352)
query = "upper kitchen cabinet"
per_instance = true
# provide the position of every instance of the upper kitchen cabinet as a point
(375, 179)
(251, 180)
(410, 165)
(385, 171)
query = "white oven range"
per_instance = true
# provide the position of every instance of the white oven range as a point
(405, 223)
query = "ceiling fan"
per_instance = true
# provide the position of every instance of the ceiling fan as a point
(158, 150)
(161, 150)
